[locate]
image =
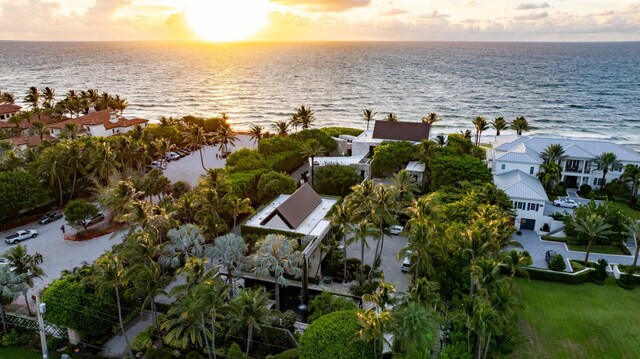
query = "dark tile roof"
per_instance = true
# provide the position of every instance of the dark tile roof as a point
(401, 131)
(9, 108)
(295, 209)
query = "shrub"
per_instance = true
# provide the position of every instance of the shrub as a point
(390, 157)
(161, 353)
(245, 160)
(452, 170)
(142, 341)
(78, 210)
(336, 180)
(627, 281)
(585, 189)
(287, 320)
(601, 269)
(235, 352)
(245, 184)
(325, 140)
(13, 338)
(273, 145)
(15, 198)
(332, 336)
(326, 303)
(557, 263)
(577, 266)
(363, 285)
(559, 277)
(285, 161)
(287, 354)
(194, 355)
(272, 184)
(337, 131)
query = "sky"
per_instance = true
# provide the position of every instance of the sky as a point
(331, 20)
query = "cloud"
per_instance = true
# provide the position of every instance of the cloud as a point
(393, 12)
(324, 5)
(533, 16)
(531, 6)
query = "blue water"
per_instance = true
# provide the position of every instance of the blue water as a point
(588, 90)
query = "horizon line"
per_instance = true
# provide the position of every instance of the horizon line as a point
(248, 42)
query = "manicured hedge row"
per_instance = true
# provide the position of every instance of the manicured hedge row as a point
(245, 230)
(560, 277)
(285, 161)
(337, 131)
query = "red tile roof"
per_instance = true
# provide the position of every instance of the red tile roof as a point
(8, 108)
(26, 124)
(100, 118)
(123, 122)
(31, 141)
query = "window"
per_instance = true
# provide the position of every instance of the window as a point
(503, 166)
(520, 205)
(531, 170)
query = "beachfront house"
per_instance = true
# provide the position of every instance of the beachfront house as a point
(7, 111)
(578, 164)
(358, 151)
(528, 197)
(301, 215)
(24, 142)
(103, 123)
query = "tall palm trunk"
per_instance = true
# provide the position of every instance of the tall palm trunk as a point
(635, 258)
(479, 347)
(124, 334)
(344, 272)
(204, 334)
(213, 334)
(586, 257)
(60, 187)
(362, 257)
(202, 159)
(604, 175)
(486, 347)
(27, 302)
(73, 184)
(249, 339)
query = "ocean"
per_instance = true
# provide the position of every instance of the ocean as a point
(589, 90)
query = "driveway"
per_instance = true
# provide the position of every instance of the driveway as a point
(390, 264)
(532, 242)
(189, 168)
(59, 254)
(550, 208)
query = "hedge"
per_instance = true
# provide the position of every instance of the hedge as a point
(337, 131)
(285, 161)
(560, 277)
(287, 354)
(325, 140)
(246, 230)
(273, 145)
(335, 335)
(245, 184)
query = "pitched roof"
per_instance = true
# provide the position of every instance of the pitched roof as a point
(31, 141)
(520, 157)
(517, 184)
(28, 123)
(123, 122)
(401, 131)
(295, 209)
(100, 118)
(9, 108)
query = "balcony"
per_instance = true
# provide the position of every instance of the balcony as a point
(573, 169)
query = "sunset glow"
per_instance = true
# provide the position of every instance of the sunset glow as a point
(226, 21)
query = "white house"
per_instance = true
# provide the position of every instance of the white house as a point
(100, 123)
(303, 213)
(578, 165)
(528, 196)
(359, 150)
(7, 111)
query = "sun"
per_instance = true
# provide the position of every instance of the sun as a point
(226, 20)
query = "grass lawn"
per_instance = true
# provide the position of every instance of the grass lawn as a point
(18, 353)
(626, 210)
(579, 321)
(596, 249)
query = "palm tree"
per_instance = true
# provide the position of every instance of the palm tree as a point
(549, 175)
(515, 264)
(384, 209)
(185, 321)
(499, 124)
(593, 227)
(11, 286)
(210, 296)
(184, 241)
(195, 138)
(606, 161)
(33, 97)
(405, 185)
(53, 170)
(110, 274)
(148, 281)
(8, 98)
(481, 125)
(281, 127)
(482, 320)
(520, 125)
(71, 130)
(224, 137)
(162, 146)
(633, 227)
(361, 232)
(303, 116)
(431, 118)
(257, 133)
(631, 175)
(229, 250)
(554, 152)
(373, 326)
(49, 95)
(391, 117)
(340, 219)
(119, 104)
(275, 257)
(311, 149)
(39, 129)
(249, 311)
(103, 162)
(415, 329)
(238, 206)
(441, 140)
(427, 150)
(368, 115)
(420, 249)
(25, 265)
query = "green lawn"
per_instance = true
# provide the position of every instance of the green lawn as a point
(579, 321)
(18, 353)
(596, 249)
(626, 210)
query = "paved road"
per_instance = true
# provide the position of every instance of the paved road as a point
(390, 264)
(59, 254)
(537, 248)
(116, 347)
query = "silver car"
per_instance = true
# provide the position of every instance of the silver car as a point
(565, 202)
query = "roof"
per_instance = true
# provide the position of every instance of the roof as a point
(31, 141)
(517, 184)
(9, 108)
(28, 123)
(295, 209)
(519, 157)
(123, 122)
(575, 148)
(415, 166)
(100, 118)
(401, 131)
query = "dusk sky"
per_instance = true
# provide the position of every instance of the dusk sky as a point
(321, 20)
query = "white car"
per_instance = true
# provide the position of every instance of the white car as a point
(406, 263)
(172, 156)
(21, 236)
(565, 202)
(395, 230)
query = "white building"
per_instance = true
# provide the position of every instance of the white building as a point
(528, 196)
(302, 213)
(103, 123)
(7, 111)
(358, 150)
(578, 165)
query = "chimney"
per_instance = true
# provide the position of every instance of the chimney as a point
(113, 118)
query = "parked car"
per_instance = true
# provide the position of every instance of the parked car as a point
(50, 217)
(21, 236)
(183, 153)
(565, 202)
(172, 156)
(548, 257)
(95, 219)
(406, 263)
(395, 230)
